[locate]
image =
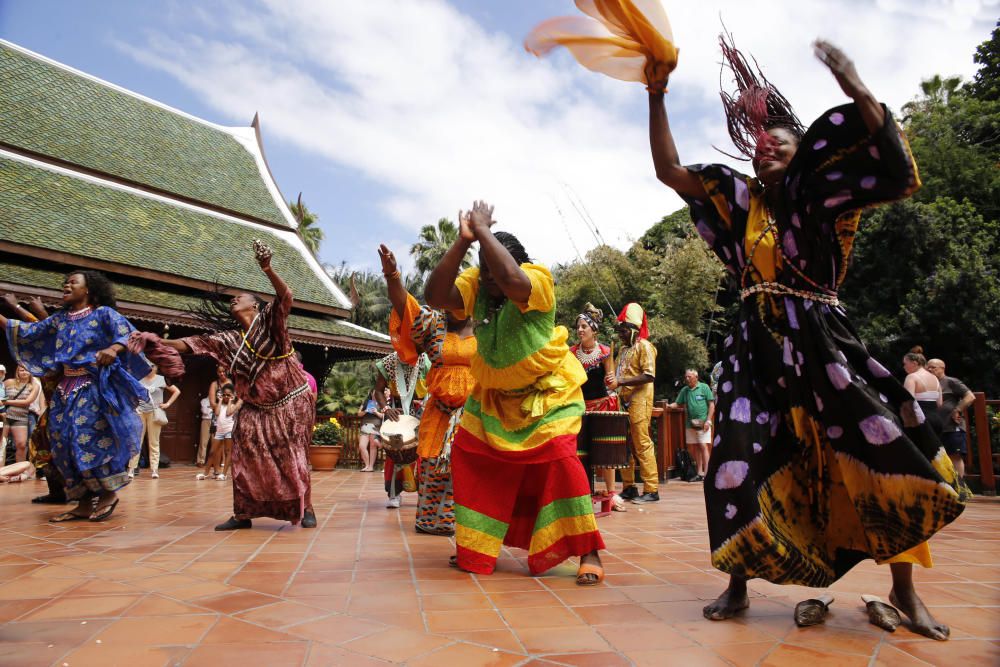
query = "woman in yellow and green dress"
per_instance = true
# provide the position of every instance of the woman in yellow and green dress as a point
(517, 478)
(450, 345)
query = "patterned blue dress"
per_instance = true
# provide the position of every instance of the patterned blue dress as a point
(822, 459)
(94, 428)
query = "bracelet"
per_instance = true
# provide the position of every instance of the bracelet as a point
(656, 90)
(391, 276)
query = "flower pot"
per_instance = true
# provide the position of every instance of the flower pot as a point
(325, 457)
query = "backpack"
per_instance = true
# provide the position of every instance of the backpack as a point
(686, 469)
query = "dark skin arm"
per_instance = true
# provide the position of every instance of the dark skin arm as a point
(500, 265)
(666, 162)
(440, 291)
(35, 310)
(392, 414)
(844, 72)
(393, 279)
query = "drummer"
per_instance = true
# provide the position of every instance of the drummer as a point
(398, 384)
(597, 362)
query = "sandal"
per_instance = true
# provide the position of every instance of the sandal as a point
(587, 568)
(880, 614)
(68, 516)
(104, 513)
(812, 611)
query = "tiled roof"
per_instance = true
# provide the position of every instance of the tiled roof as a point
(19, 274)
(50, 110)
(63, 213)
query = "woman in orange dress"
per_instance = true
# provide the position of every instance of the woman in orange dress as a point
(450, 345)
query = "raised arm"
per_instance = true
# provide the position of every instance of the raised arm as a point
(503, 268)
(440, 291)
(669, 169)
(21, 312)
(843, 70)
(393, 280)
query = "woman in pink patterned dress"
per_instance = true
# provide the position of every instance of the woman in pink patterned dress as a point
(270, 464)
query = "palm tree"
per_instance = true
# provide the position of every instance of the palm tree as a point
(434, 243)
(368, 294)
(309, 229)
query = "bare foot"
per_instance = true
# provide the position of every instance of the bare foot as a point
(590, 575)
(733, 600)
(920, 617)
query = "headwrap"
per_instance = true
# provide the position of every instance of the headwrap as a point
(634, 315)
(592, 316)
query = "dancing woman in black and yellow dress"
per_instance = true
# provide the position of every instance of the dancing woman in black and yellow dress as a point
(822, 458)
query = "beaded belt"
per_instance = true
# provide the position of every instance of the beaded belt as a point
(74, 372)
(785, 290)
(281, 401)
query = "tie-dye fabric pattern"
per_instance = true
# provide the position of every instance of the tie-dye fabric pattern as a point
(817, 462)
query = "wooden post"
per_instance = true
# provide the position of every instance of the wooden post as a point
(986, 477)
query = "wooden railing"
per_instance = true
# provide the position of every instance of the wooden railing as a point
(350, 457)
(667, 431)
(980, 460)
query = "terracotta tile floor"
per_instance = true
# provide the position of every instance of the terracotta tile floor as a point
(156, 585)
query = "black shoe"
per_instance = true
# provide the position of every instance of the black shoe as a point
(232, 523)
(630, 493)
(309, 519)
(50, 499)
(699, 478)
(653, 497)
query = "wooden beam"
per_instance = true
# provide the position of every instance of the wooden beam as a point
(147, 274)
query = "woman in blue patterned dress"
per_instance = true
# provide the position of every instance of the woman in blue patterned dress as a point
(822, 458)
(93, 426)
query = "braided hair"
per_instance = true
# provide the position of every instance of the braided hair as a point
(513, 246)
(756, 105)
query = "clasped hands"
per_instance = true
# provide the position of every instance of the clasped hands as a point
(475, 222)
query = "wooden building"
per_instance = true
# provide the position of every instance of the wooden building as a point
(166, 204)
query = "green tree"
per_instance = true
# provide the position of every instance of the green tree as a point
(926, 271)
(368, 294)
(433, 243)
(309, 229)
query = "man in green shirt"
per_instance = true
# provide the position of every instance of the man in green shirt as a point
(699, 404)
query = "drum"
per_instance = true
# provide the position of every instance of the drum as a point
(607, 439)
(399, 439)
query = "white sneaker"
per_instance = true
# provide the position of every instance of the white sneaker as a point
(131, 474)
(394, 503)
(220, 477)
(200, 476)
(155, 475)
(617, 504)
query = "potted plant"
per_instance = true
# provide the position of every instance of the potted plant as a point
(327, 445)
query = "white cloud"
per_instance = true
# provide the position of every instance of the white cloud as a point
(440, 110)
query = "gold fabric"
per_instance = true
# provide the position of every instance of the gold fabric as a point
(618, 38)
(640, 412)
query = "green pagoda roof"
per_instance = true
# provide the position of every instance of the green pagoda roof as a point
(51, 110)
(63, 212)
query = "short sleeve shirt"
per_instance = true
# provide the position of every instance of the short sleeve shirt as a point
(695, 401)
(952, 393)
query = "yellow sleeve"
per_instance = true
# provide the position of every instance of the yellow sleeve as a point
(467, 283)
(543, 293)
(647, 358)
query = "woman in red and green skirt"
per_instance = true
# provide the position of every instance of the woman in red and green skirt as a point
(517, 478)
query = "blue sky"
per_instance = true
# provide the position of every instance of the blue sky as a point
(389, 114)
